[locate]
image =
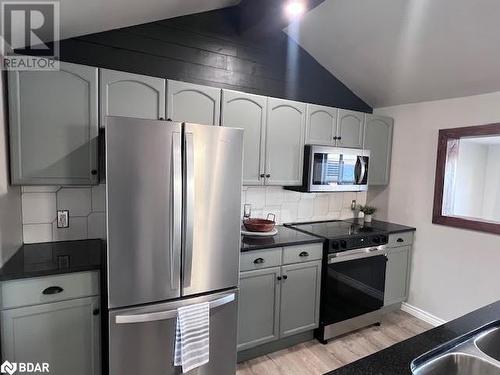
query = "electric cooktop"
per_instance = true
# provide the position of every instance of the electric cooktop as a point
(343, 235)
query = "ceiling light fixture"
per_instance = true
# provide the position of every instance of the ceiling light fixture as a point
(295, 8)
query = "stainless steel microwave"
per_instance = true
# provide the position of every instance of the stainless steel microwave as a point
(334, 169)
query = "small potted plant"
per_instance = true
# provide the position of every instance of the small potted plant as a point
(368, 211)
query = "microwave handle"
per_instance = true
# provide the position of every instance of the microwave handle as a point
(362, 174)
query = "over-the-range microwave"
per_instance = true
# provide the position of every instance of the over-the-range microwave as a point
(334, 169)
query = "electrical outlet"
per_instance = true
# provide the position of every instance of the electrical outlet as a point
(62, 218)
(354, 205)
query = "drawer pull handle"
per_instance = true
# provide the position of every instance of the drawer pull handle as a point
(400, 240)
(259, 261)
(52, 290)
(304, 254)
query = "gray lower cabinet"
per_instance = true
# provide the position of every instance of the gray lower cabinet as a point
(258, 311)
(131, 95)
(62, 329)
(281, 300)
(247, 111)
(350, 127)
(193, 103)
(397, 275)
(285, 137)
(300, 293)
(378, 139)
(53, 120)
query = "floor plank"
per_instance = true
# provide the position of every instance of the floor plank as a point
(313, 358)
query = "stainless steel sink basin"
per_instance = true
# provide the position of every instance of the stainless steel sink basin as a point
(475, 353)
(489, 343)
(458, 364)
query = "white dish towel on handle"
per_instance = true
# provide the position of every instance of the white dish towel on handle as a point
(192, 336)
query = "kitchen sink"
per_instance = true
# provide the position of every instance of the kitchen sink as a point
(489, 343)
(475, 353)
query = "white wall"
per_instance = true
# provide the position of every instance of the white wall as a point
(10, 197)
(454, 270)
(491, 201)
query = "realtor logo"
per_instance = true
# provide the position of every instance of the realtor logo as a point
(8, 368)
(27, 29)
(24, 368)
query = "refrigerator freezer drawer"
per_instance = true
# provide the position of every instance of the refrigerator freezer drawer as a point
(141, 340)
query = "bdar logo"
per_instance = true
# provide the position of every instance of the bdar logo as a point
(8, 368)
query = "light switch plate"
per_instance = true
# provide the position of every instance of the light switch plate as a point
(62, 218)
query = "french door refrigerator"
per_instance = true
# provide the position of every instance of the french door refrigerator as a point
(173, 219)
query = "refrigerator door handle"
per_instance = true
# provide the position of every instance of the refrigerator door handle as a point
(175, 202)
(168, 314)
(187, 247)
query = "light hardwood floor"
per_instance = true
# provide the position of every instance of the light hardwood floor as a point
(313, 358)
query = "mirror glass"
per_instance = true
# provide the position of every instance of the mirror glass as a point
(471, 188)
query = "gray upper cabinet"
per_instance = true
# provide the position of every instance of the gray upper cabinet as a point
(248, 111)
(300, 293)
(378, 139)
(54, 126)
(193, 103)
(350, 127)
(285, 137)
(131, 95)
(397, 275)
(258, 312)
(65, 334)
(321, 125)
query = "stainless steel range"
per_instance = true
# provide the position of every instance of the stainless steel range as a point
(353, 283)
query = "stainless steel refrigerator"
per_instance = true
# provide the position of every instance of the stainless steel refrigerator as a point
(173, 219)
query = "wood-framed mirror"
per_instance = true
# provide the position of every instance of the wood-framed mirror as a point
(467, 184)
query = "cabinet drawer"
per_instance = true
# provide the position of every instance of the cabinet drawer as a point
(400, 239)
(255, 260)
(26, 292)
(302, 253)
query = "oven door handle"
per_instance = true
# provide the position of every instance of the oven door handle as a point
(367, 253)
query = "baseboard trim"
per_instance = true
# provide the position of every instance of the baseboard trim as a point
(422, 315)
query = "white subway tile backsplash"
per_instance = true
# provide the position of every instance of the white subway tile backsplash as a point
(306, 209)
(77, 230)
(33, 233)
(38, 207)
(99, 198)
(77, 200)
(290, 206)
(96, 224)
(256, 196)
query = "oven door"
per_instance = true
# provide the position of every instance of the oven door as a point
(352, 286)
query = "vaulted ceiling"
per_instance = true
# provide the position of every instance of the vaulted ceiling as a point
(402, 51)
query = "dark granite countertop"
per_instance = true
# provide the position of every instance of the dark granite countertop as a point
(285, 237)
(396, 359)
(50, 258)
(385, 226)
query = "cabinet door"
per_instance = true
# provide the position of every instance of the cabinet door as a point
(64, 334)
(54, 126)
(350, 126)
(247, 111)
(131, 95)
(397, 274)
(378, 139)
(284, 142)
(300, 293)
(258, 312)
(193, 103)
(321, 125)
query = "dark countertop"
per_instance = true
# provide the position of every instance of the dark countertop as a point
(396, 359)
(384, 225)
(50, 258)
(285, 237)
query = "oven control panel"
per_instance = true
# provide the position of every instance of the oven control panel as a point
(351, 243)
